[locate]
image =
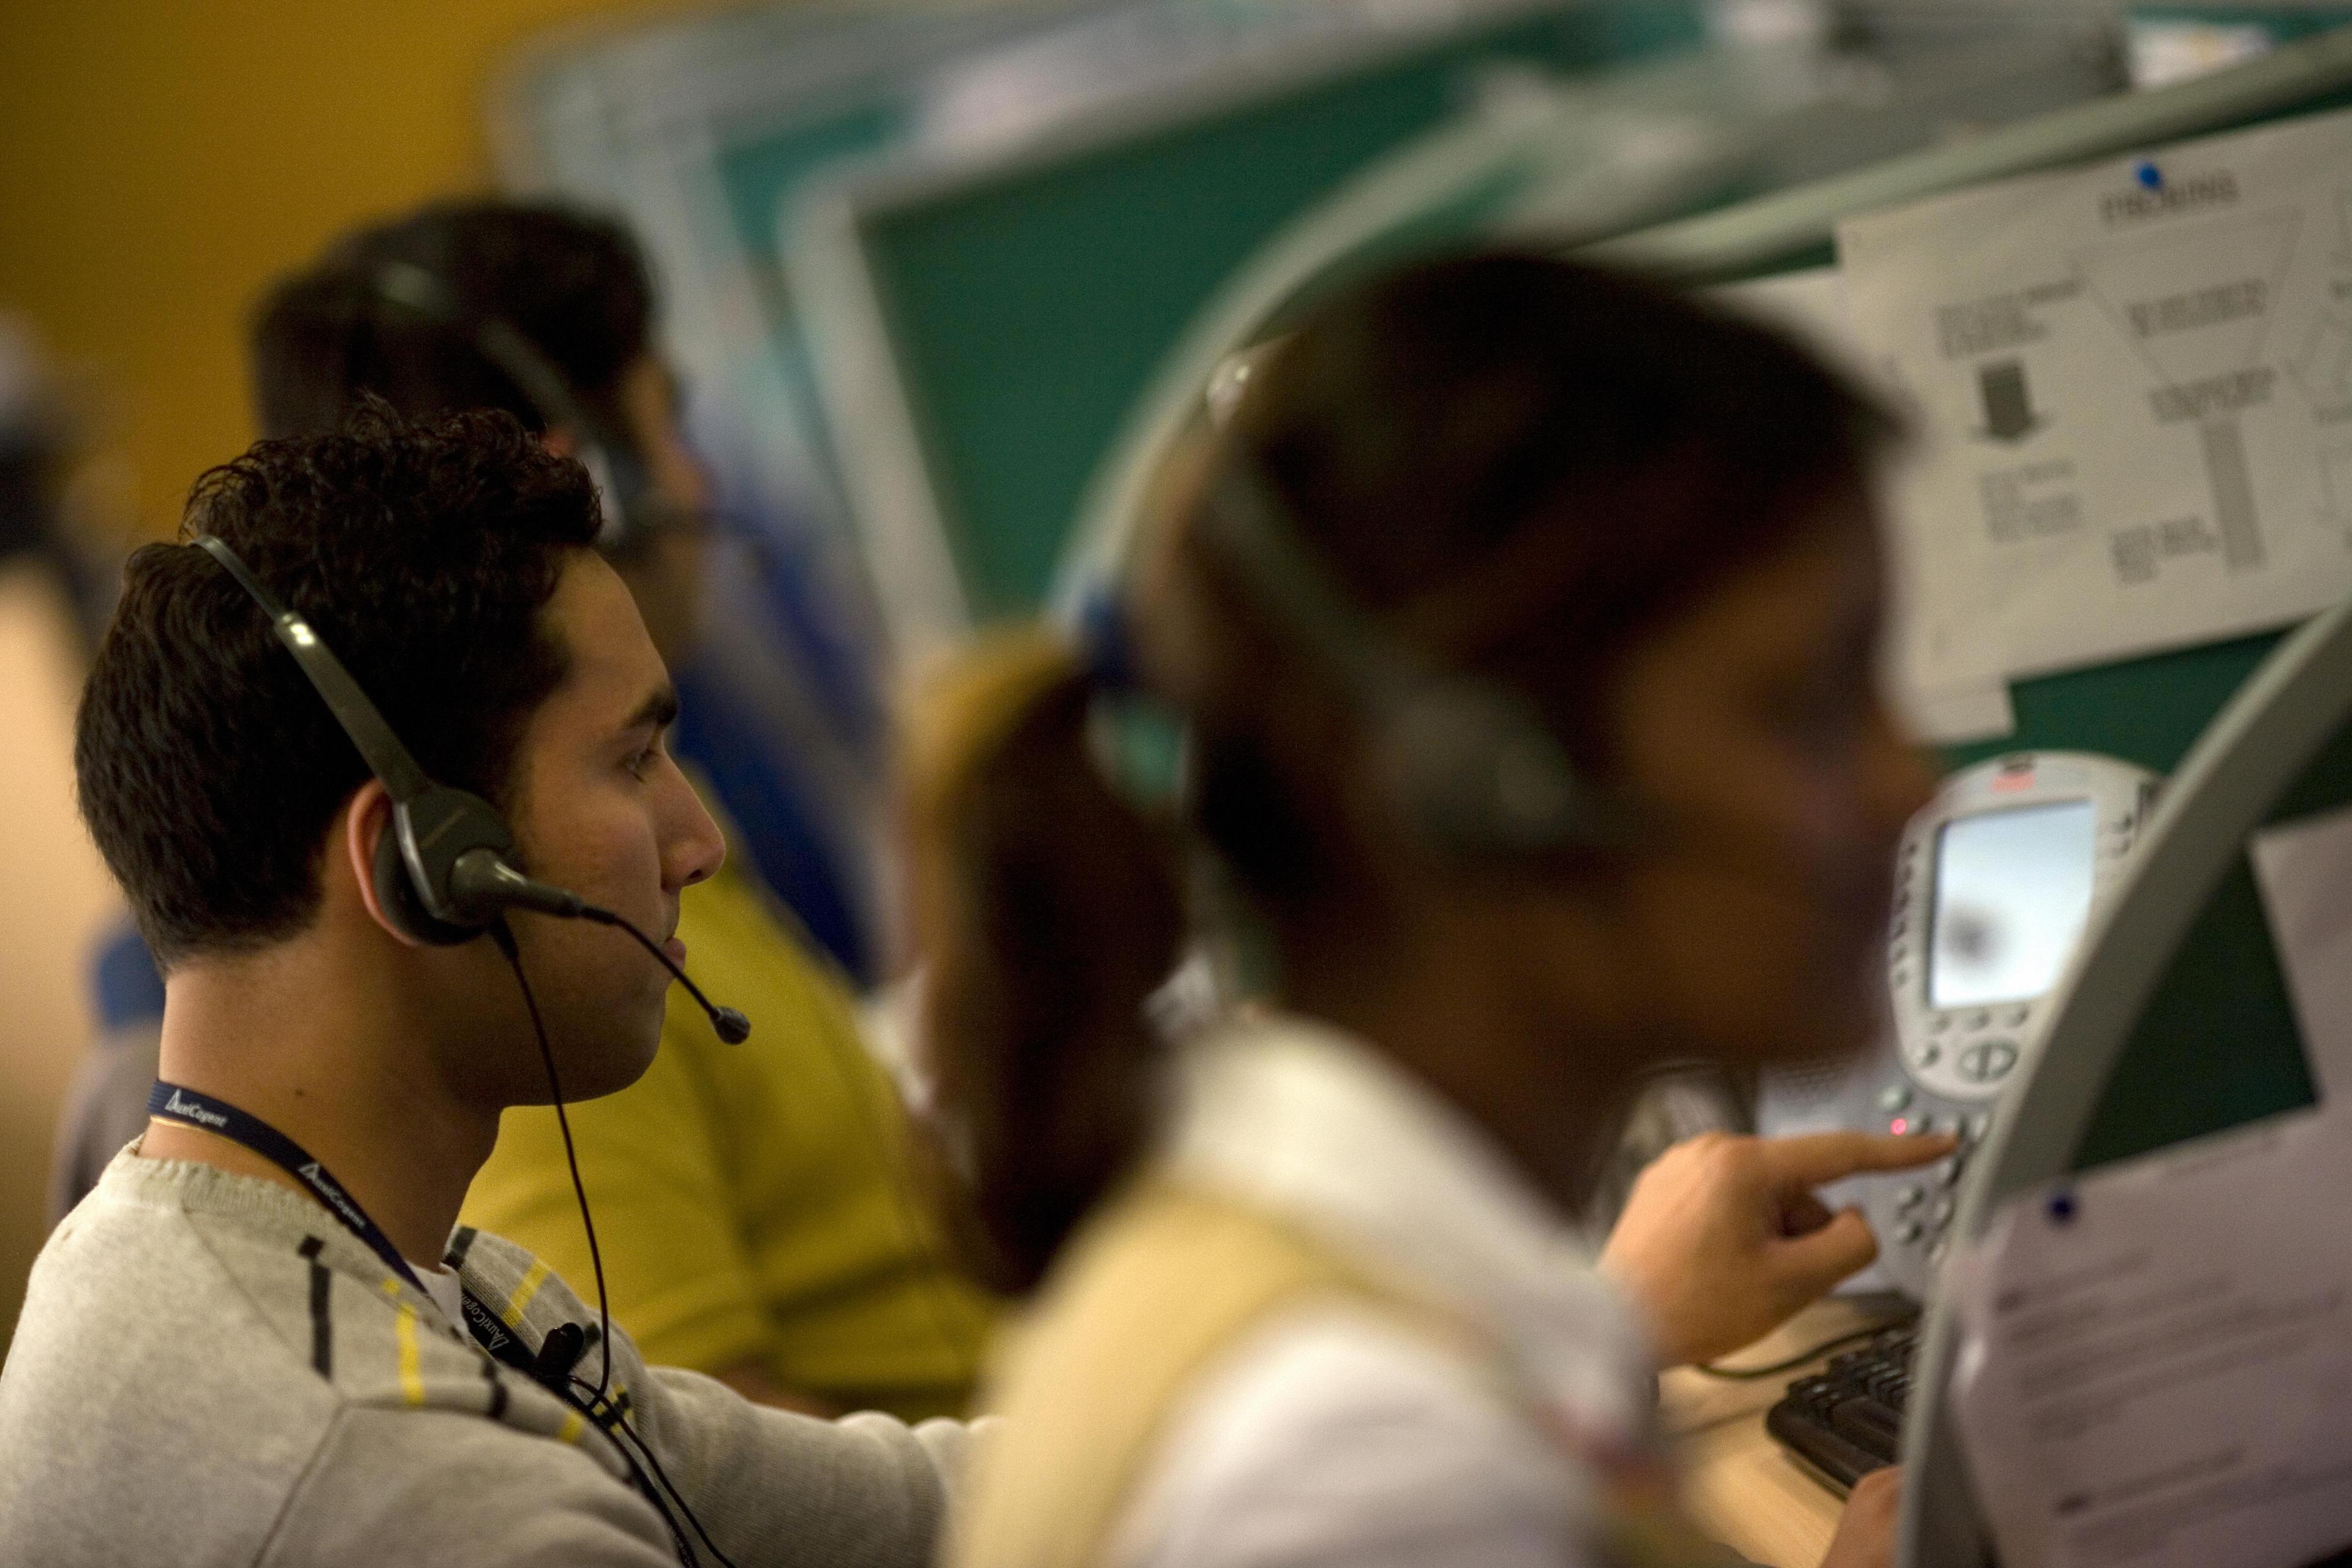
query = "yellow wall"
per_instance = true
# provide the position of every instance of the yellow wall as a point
(160, 162)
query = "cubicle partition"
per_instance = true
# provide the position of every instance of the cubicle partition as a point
(2177, 1022)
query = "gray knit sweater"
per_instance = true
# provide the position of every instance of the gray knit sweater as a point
(209, 1370)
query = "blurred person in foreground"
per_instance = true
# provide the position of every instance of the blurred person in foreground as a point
(757, 1222)
(265, 1339)
(1310, 1287)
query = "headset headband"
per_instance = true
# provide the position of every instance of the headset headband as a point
(390, 761)
(427, 293)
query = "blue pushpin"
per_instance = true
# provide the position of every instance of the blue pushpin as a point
(2149, 176)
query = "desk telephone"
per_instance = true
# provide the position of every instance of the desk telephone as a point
(1994, 884)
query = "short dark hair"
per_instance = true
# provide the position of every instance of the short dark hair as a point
(574, 284)
(209, 769)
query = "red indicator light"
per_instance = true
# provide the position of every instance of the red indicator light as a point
(1899, 1126)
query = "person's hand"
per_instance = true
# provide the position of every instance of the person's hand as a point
(1723, 1240)
(1865, 1532)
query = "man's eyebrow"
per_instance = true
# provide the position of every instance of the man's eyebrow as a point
(658, 712)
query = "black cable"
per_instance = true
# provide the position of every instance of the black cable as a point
(621, 1425)
(504, 939)
(596, 1413)
(1745, 1374)
(599, 1406)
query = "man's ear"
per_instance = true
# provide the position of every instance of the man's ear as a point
(560, 440)
(367, 820)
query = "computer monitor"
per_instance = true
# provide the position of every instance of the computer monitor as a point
(994, 333)
(980, 318)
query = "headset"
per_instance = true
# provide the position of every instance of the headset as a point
(1472, 768)
(625, 490)
(445, 872)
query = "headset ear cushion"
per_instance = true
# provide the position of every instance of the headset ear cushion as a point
(1478, 776)
(396, 895)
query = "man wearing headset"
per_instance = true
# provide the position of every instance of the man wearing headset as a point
(264, 1339)
(756, 1218)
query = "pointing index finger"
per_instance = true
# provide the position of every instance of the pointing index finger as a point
(1813, 1159)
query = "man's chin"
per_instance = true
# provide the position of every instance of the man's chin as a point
(612, 1068)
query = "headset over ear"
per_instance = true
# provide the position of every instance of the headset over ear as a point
(433, 872)
(445, 873)
(624, 487)
(1470, 764)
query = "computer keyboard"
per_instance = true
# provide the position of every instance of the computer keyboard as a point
(1846, 1420)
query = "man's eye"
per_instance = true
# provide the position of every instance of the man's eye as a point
(641, 764)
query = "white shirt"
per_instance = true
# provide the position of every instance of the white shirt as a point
(1334, 1434)
(441, 1284)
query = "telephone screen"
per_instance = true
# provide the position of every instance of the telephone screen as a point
(2013, 890)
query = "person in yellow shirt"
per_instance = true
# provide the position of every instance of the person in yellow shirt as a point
(757, 1219)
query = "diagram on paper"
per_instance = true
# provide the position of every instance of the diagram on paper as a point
(2196, 305)
(2140, 373)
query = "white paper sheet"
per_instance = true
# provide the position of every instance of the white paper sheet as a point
(2155, 1359)
(2139, 375)
(2304, 871)
(1967, 697)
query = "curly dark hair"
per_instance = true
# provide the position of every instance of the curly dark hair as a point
(572, 283)
(209, 769)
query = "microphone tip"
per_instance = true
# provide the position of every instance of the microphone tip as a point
(733, 1026)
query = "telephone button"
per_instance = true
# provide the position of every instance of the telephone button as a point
(1894, 1098)
(1910, 1196)
(1988, 1060)
(1978, 1019)
(1907, 1231)
(1947, 1171)
(2014, 1018)
(1940, 1215)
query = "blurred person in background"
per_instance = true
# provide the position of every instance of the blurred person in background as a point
(758, 1219)
(1312, 1291)
(62, 518)
(42, 434)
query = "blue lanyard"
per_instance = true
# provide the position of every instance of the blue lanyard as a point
(173, 1102)
(189, 1107)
